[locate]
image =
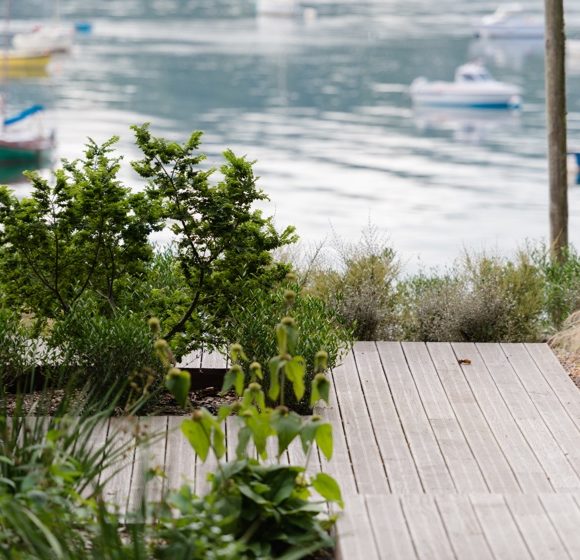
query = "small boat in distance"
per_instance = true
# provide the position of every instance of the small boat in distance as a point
(21, 142)
(474, 88)
(278, 8)
(51, 39)
(22, 61)
(510, 21)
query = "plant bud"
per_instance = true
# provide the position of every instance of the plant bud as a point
(284, 410)
(236, 368)
(160, 345)
(154, 325)
(254, 387)
(256, 370)
(197, 415)
(321, 360)
(291, 277)
(235, 351)
(236, 407)
(289, 321)
(290, 297)
(316, 418)
(246, 414)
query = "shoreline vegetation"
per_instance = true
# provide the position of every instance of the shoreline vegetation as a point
(86, 296)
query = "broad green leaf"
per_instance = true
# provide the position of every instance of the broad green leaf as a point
(295, 370)
(244, 436)
(324, 439)
(219, 444)
(178, 384)
(320, 389)
(328, 488)
(197, 436)
(286, 428)
(274, 366)
(282, 338)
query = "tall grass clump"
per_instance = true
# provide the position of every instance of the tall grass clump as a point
(361, 285)
(482, 298)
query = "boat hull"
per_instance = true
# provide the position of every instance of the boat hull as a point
(24, 151)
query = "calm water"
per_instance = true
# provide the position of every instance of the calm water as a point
(320, 103)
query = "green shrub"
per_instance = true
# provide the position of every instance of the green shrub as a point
(562, 284)
(361, 287)
(107, 355)
(481, 299)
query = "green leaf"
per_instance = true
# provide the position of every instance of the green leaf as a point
(320, 389)
(282, 338)
(234, 378)
(244, 436)
(324, 439)
(219, 444)
(295, 370)
(274, 366)
(328, 488)
(197, 436)
(286, 428)
(178, 384)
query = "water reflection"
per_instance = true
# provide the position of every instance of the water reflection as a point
(506, 53)
(473, 126)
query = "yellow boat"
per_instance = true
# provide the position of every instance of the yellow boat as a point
(14, 62)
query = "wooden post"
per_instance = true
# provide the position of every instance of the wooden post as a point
(555, 74)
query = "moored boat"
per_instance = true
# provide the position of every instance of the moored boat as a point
(474, 88)
(16, 59)
(21, 143)
(510, 21)
(50, 39)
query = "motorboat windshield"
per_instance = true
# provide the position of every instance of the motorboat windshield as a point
(472, 73)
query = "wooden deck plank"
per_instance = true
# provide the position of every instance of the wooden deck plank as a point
(488, 453)
(366, 461)
(355, 537)
(459, 457)
(536, 528)
(430, 462)
(463, 528)
(213, 360)
(561, 426)
(564, 514)
(389, 527)
(530, 423)
(426, 528)
(559, 380)
(118, 477)
(500, 530)
(179, 457)
(94, 443)
(150, 455)
(525, 465)
(386, 424)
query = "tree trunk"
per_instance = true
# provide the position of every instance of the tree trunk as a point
(556, 125)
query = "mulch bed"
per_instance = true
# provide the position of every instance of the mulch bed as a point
(571, 363)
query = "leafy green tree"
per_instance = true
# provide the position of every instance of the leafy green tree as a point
(224, 246)
(84, 233)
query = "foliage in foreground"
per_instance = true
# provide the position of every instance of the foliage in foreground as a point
(52, 503)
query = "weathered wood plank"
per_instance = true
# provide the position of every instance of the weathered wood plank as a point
(528, 470)
(341, 466)
(493, 463)
(561, 426)
(463, 528)
(499, 527)
(368, 466)
(535, 527)
(389, 527)
(179, 456)
(555, 464)
(426, 528)
(149, 455)
(213, 360)
(430, 462)
(386, 424)
(564, 514)
(117, 478)
(458, 455)
(556, 376)
(355, 537)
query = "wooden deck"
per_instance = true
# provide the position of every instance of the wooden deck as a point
(442, 451)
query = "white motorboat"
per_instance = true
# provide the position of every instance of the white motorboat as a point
(510, 21)
(474, 88)
(49, 39)
(278, 8)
